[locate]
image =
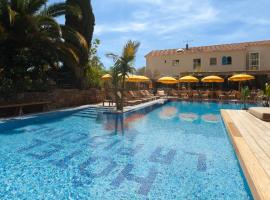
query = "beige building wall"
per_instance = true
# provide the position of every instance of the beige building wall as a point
(163, 66)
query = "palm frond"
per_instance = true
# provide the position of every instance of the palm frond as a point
(48, 25)
(113, 56)
(59, 9)
(76, 39)
(34, 6)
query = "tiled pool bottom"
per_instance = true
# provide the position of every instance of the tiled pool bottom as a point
(175, 151)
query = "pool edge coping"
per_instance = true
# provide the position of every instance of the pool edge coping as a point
(251, 166)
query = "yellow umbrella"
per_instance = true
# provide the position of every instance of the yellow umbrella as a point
(212, 79)
(167, 80)
(106, 77)
(144, 78)
(188, 79)
(133, 78)
(241, 77)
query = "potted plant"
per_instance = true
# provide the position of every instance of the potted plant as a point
(245, 93)
(267, 94)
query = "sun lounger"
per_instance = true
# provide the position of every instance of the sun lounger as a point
(150, 94)
(129, 102)
(262, 113)
(145, 95)
(137, 96)
(161, 93)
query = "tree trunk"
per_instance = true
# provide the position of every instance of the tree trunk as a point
(122, 93)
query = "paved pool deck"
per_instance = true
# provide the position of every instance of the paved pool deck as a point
(251, 140)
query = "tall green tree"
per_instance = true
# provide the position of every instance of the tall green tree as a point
(85, 26)
(31, 41)
(123, 64)
(95, 68)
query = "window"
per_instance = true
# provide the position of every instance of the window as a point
(196, 64)
(254, 61)
(175, 62)
(213, 61)
(226, 60)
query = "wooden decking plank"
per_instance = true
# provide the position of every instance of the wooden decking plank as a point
(258, 125)
(259, 147)
(256, 133)
(250, 140)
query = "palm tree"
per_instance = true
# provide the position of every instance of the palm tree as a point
(85, 26)
(123, 65)
(31, 38)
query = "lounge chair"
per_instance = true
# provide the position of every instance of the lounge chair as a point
(129, 102)
(145, 95)
(150, 94)
(138, 96)
(161, 93)
(261, 113)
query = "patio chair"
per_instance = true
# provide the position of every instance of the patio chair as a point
(220, 95)
(196, 95)
(174, 93)
(232, 95)
(184, 96)
(259, 96)
(206, 95)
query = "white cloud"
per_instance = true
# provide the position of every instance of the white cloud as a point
(161, 16)
(120, 28)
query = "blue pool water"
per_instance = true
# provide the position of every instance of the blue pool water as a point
(178, 150)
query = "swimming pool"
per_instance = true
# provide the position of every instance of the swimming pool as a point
(179, 150)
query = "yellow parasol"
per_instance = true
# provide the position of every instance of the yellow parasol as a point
(167, 80)
(241, 78)
(188, 79)
(106, 77)
(144, 78)
(212, 79)
(133, 79)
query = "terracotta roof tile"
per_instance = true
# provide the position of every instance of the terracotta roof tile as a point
(222, 47)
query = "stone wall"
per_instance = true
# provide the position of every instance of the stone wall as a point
(61, 98)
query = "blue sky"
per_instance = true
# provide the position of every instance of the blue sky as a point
(162, 24)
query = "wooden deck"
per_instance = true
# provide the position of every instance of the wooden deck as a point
(251, 140)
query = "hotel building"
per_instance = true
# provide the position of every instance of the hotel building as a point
(223, 60)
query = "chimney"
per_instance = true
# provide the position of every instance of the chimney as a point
(187, 46)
